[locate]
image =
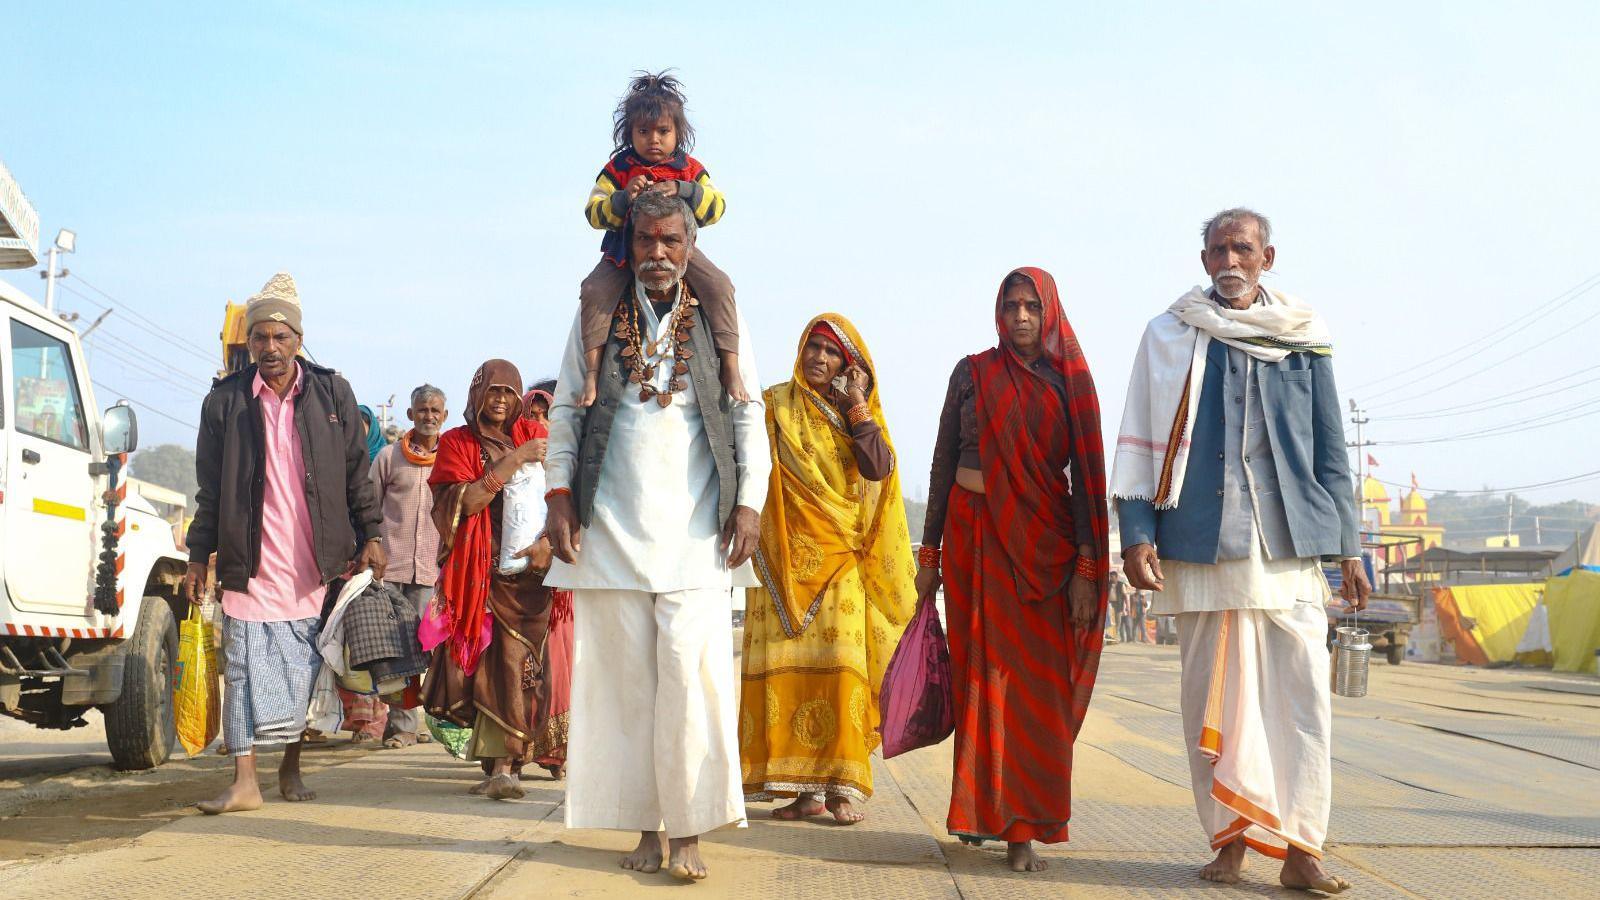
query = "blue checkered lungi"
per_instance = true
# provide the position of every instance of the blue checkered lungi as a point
(269, 672)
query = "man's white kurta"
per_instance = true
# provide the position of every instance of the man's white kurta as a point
(655, 525)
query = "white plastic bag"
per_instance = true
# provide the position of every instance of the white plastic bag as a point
(521, 516)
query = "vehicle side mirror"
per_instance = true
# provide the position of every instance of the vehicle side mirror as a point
(121, 429)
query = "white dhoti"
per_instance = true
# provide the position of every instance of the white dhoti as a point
(1257, 719)
(653, 743)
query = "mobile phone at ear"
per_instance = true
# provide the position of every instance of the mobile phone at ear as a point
(841, 383)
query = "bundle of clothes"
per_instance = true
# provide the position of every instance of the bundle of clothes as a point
(370, 641)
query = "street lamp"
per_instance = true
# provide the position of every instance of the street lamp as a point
(66, 242)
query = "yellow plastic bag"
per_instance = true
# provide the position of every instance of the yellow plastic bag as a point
(196, 700)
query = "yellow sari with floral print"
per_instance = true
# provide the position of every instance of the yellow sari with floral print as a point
(837, 589)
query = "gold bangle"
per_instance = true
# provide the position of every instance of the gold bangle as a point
(858, 414)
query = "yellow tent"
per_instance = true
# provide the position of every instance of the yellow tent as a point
(1486, 621)
(1574, 603)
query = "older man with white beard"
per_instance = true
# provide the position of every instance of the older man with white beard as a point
(654, 492)
(400, 473)
(1231, 472)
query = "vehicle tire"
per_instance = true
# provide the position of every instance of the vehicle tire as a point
(140, 724)
(1396, 652)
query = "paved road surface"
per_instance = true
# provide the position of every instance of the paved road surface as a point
(1449, 782)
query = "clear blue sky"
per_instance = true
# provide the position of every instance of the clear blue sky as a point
(1430, 168)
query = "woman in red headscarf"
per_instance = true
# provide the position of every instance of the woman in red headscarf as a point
(488, 665)
(1017, 527)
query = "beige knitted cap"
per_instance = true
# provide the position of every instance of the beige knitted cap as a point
(277, 301)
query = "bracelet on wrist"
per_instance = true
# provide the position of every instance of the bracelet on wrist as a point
(858, 414)
(929, 557)
(1087, 567)
(556, 491)
(490, 483)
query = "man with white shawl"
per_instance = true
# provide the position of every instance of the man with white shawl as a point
(1231, 471)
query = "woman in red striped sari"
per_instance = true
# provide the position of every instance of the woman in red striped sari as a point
(1016, 532)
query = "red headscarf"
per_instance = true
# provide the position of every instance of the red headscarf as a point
(466, 556)
(1026, 436)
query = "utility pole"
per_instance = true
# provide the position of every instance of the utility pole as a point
(383, 413)
(66, 242)
(1538, 534)
(1511, 500)
(1359, 418)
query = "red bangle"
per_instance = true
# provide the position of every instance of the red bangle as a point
(929, 557)
(490, 483)
(859, 413)
(554, 491)
(1088, 567)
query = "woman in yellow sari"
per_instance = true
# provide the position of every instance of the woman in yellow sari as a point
(837, 584)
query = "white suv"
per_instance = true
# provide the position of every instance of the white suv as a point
(89, 574)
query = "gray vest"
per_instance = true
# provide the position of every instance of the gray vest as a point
(613, 389)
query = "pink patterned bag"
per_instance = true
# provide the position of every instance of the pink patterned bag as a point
(917, 699)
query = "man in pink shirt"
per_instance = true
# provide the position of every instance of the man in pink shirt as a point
(286, 506)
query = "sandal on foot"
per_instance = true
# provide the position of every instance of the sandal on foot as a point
(504, 787)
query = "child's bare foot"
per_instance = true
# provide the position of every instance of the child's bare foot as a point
(732, 381)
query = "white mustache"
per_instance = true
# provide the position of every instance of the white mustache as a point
(1232, 273)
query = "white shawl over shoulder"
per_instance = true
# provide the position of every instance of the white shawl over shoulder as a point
(1152, 451)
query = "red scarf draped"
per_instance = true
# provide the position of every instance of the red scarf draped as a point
(468, 563)
(1026, 439)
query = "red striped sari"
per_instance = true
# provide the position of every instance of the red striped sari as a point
(1023, 671)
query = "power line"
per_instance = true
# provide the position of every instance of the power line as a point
(144, 324)
(160, 412)
(1530, 424)
(139, 315)
(151, 372)
(1527, 320)
(124, 345)
(1501, 490)
(1488, 403)
(1539, 345)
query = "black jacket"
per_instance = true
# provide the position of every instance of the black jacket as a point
(229, 457)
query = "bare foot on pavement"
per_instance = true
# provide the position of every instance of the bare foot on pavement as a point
(804, 806)
(1226, 867)
(293, 787)
(686, 862)
(646, 857)
(844, 812)
(1304, 872)
(239, 797)
(1021, 857)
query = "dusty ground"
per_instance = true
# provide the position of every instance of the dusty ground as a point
(1448, 783)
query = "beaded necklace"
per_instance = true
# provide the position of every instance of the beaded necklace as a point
(643, 359)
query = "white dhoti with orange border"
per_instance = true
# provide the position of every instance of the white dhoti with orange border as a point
(1257, 722)
(1257, 712)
